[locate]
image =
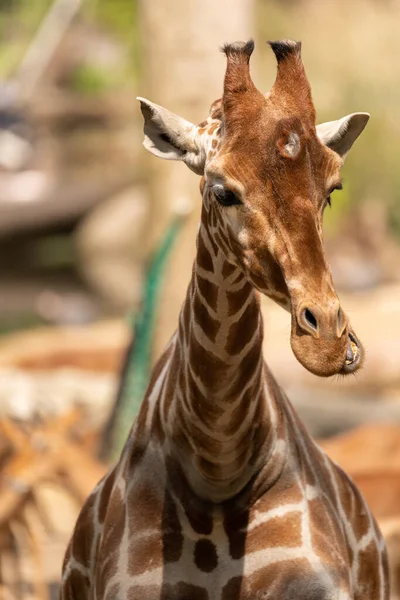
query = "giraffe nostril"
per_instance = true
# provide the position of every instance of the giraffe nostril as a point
(310, 319)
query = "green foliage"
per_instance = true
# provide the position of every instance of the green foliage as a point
(11, 324)
(120, 18)
(19, 20)
(89, 80)
(54, 252)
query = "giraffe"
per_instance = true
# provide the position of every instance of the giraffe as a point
(220, 493)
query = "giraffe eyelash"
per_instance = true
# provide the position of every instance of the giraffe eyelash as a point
(338, 186)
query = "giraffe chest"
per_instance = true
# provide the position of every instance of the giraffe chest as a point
(258, 561)
(288, 545)
(204, 572)
(266, 557)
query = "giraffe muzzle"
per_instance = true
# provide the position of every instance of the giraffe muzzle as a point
(319, 322)
(323, 340)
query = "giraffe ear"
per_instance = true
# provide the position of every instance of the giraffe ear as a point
(340, 135)
(169, 136)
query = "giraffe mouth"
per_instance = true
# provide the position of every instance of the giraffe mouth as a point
(353, 355)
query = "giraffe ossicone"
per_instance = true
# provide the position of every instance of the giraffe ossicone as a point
(220, 493)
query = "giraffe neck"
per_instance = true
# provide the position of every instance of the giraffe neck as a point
(224, 419)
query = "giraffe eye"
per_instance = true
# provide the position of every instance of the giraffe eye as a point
(224, 196)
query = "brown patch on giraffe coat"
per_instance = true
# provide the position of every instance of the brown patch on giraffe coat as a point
(144, 521)
(213, 128)
(201, 407)
(112, 592)
(208, 324)
(159, 366)
(156, 424)
(242, 332)
(205, 555)
(326, 537)
(109, 550)
(183, 591)
(181, 381)
(279, 531)
(141, 592)
(212, 219)
(144, 553)
(237, 415)
(385, 564)
(248, 365)
(221, 222)
(136, 454)
(235, 525)
(198, 512)
(204, 259)
(214, 143)
(67, 556)
(238, 298)
(285, 491)
(201, 130)
(368, 574)
(76, 586)
(353, 503)
(288, 580)
(202, 360)
(157, 427)
(203, 124)
(146, 499)
(84, 532)
(309, 475)
(186, 315)
(231, 590)
(211, 469)
(210, 238)
(208, 290)
(227, 269)
(105, 495)
(238, 278)
(251, 432)
(171, 381)
(139, 442)
(222, 243)
(172, 537)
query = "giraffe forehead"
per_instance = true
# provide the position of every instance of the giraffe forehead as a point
(247, 166)
(260, 137)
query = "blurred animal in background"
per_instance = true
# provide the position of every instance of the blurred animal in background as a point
(371, 456)
(38, 477)
(219, 491)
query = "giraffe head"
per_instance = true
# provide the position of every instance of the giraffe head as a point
(267, 174)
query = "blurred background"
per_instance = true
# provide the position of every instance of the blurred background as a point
(97, 241)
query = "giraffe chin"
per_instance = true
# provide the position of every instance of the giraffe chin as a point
(327, 357)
